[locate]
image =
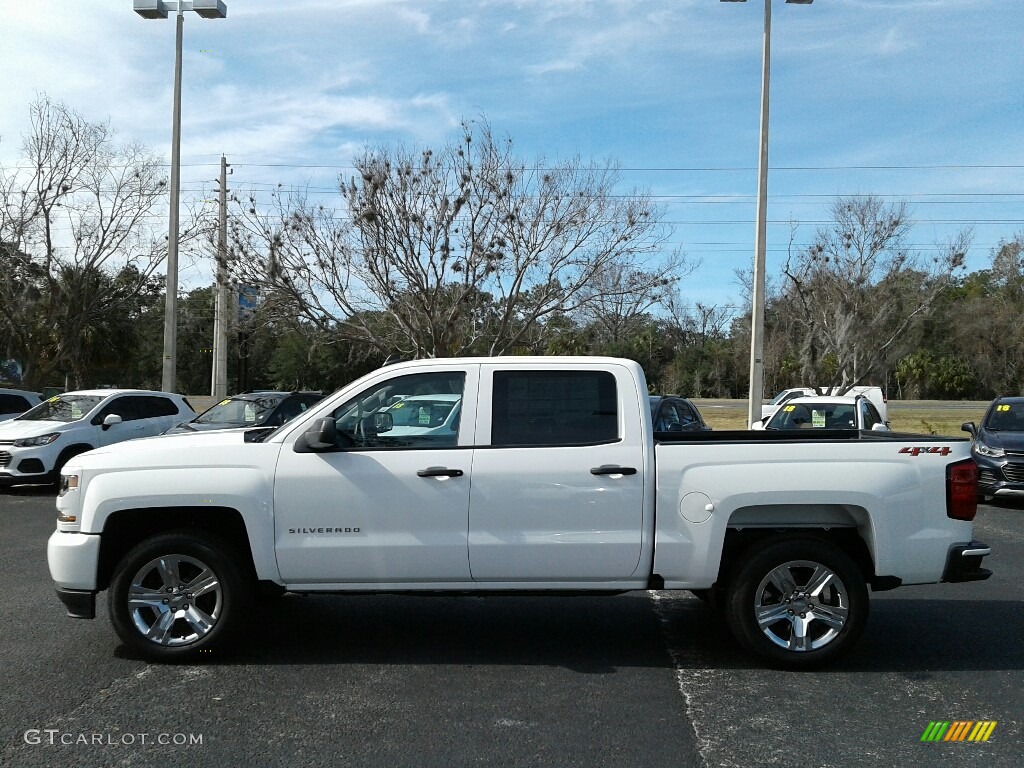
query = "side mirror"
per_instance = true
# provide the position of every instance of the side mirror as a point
(880, 427)
(111, 420)
(758, 426)
(321, 436)
(383, 422)
(968, 426)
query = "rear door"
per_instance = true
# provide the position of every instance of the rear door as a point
(558, 476)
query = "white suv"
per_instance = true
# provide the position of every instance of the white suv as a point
(35, 446)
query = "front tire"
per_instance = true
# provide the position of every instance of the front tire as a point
(53, 477)
(798, 603)
(175, 595)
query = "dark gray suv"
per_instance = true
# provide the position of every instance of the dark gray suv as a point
(250, 409)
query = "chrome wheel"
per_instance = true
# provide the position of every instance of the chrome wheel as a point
(801, 605)
(796, 601)
(175, 600)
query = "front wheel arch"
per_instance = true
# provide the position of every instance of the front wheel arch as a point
(64, 457)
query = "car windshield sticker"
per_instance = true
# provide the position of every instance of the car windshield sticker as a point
(223, 402)
(54, 399)
(1002, 408)
(396, 406)
(817, 418)
(424, 417)
(250, 412)
(76, 411)
(789, 408)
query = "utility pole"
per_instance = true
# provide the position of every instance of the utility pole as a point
(219, 382)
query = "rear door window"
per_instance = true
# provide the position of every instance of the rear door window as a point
(543, 408)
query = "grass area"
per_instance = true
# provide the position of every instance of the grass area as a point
(928, 417)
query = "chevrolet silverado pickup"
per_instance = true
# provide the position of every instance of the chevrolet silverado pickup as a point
(494, 476)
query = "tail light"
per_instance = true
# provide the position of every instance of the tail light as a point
(962, 490)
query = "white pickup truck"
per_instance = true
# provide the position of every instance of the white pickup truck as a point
(510, 475)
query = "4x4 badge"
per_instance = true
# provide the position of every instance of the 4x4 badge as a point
(943, 451)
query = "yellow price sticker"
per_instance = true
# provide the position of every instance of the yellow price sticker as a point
(396, 406)
(789, 408)
(54, 399)
(1002, 407)
(223, 402)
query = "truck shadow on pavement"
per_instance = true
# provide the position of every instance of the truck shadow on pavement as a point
(597, 635)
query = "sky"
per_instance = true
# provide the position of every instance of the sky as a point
(915, 100)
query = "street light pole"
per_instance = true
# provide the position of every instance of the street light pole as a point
(158, 9)
(761, 228)
(168, 379)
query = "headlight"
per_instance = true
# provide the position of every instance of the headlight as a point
(26, 442)
(987, 450)
(68, 483)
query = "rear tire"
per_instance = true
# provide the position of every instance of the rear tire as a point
(178, 595)
(798, 603)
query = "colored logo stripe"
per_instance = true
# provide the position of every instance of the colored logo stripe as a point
(959, 730)
(982, 731)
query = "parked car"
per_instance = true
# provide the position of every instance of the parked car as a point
(35, 445)
(998, 448)
(784, 397)
(671, 413)
(874, 394)
(14, 402)
(852, 413)
(250, 409)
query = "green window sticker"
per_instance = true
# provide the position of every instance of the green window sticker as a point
(817, 418)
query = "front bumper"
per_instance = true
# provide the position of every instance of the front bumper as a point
(80, 603)
(73, 559)
(1002, 477)
(24, 465)
(963, 563)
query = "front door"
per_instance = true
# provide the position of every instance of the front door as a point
(391, 505)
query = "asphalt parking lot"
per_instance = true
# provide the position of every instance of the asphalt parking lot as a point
(633, 680)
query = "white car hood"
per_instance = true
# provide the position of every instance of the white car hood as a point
(17, 428)
(191, 449)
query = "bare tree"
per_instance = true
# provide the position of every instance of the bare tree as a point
(77, 247)
(466, 250)
(851, 302)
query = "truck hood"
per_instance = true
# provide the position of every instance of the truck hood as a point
(191, 449)
(16, 429)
